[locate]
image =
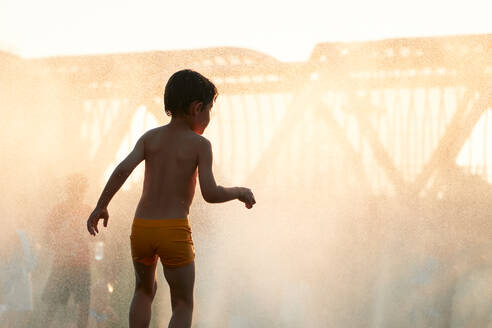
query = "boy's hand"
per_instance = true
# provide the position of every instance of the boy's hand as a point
(96, 215)
(246, 196)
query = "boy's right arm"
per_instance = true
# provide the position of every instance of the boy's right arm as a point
(211, 192)
(117, 179)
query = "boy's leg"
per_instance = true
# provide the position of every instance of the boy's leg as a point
(145, 288)
(181, 281)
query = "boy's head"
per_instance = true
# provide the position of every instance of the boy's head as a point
(185, 87)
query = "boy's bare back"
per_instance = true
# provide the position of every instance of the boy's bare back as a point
(171, 158)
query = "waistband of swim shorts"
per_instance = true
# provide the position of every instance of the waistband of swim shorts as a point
(156, 223)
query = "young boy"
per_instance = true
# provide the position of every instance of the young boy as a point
(172, 154)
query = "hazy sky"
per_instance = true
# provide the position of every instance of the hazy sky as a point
(288, 30)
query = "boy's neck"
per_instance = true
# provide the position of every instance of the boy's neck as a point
(180, 122)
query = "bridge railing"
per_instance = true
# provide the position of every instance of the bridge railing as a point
(392, 104)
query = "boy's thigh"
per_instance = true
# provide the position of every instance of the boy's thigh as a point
(145, 275)
(181, 280)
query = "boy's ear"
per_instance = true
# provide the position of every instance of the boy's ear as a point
(196, 107)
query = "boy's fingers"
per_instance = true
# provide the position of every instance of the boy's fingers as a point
(94, 226)
(89, 226)
(105, 223)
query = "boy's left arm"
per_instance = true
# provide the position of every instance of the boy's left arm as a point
(117, 179)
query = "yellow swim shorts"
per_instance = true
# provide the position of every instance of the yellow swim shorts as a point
(168, 239)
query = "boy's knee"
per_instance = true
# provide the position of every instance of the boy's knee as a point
(186, 304)
(146, 289)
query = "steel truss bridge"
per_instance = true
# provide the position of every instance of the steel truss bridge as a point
(392, 116)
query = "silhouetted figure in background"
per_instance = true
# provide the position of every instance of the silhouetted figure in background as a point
(70, 272)
(172, 155)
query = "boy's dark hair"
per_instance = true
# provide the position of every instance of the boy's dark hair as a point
(183, 88)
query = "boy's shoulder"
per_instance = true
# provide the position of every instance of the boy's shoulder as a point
(152, 135)
(202, 145)
(152, 132)
(157, 133)
(201, 140)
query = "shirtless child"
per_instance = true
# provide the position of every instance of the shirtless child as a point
(172, 154)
